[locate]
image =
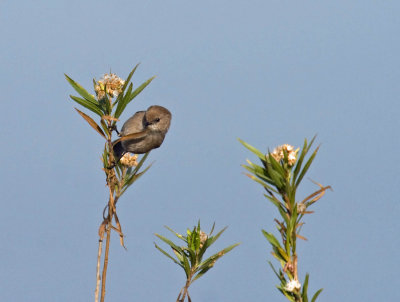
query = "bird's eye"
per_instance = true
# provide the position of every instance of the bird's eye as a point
(157, 120)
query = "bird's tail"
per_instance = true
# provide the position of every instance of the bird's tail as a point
(118, 151)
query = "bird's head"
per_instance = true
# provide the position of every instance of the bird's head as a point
(158, 118)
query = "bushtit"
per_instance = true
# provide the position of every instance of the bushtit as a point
(142, 132)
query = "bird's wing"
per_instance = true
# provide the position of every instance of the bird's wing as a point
(134, 124)
(137, 135)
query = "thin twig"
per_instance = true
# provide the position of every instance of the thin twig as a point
(96, 293)
(111, 210)
(103, 281)
(186, 288)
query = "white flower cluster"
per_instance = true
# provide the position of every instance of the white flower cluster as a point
(301, 208)
(203, 238)
(278, 154)
(110, 84)
(292, 285)
(129, 160)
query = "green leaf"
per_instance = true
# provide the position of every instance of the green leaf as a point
(273, 268)
(168, 255)
(126, 83)
(92, 107)
(277, 179)
(274, 201)
(299, 161)
(306, 166)
(180, 236)
(104, 126)
(303, 153)
(287, 294)
(277, 167)
(280, 254)
(203, 249)
(186, 266)
(214, 238)
(140, 88)
(135, 176)
(209, 262)
(305, 288)
(179, 256)
(259, 178)
(260, 172)
(316, 295)
(212, 228)
(129, 97)
(105, 104)
(170, 243)
(252, 149)
(257, 168)
(284, 216)
(271, 238)
(124, 99)
(141, 162)
(201, 273)
(192, 257)
(197, 239)
(82, 92)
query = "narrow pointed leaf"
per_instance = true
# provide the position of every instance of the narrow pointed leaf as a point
(141, 162)
(168, 255)
(124, 98)
(192, 257)
(274, 201)
(91, 122)
(284, 215)
(126, 83)
(299, 161)
(305, 288)
(170, 243)
(140, 88)
(218, 255)
(104, 126)
(212, 228)
(180, 236)
(304, 151)
(271, 238)
(105, 104)
(276, 178)
(179, 256)
(186, 266)
(274, 270)
(252, 149)
(129, 97)
(95, 108)
(82, 91)
(136, 176)
(214, 238)
(306, 166)
(316, 295)
(276, 165)
(261, 179)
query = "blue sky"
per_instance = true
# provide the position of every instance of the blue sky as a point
(268, 72)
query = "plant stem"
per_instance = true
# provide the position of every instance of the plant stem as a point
(186, 288)
(111, 179)
(104, 277)
(296, 277)
(96, 293)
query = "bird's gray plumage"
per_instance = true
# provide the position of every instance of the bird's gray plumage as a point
(147, 130)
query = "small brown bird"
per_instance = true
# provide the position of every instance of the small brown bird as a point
(142, 132)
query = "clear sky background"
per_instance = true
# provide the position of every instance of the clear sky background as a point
(269, 72)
